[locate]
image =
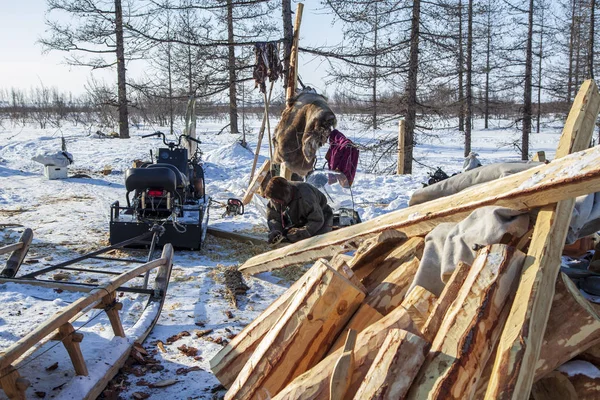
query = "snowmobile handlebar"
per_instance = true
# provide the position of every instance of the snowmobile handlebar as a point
(172, 144)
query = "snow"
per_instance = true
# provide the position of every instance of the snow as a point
(580, 367)
(71, 216)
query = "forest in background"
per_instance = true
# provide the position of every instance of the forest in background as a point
(421, 61)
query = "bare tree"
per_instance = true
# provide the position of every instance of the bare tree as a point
(95, 38)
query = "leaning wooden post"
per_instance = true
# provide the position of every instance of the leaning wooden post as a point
(520, 344)
(112, 307)
(292, 76)
(401, 130)
(261, 132)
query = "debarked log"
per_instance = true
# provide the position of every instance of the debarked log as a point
(394, 367)
(463, 343)
(301, 336)
(314, 384)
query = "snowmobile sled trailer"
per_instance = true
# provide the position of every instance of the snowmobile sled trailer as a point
(169, 193)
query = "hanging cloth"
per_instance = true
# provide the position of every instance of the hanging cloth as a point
(267, 64)
(342, 155)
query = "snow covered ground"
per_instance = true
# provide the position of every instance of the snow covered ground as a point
(71, 216)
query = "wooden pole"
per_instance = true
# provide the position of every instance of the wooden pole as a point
(401, 130)
(521, 340)
(292, 76)
(261, 132)
(342, 371)
(16, 258)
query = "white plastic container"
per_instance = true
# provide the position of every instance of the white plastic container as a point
(53, 172)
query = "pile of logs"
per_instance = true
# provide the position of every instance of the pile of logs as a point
(350, 328)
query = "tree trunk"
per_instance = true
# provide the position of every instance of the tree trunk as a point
(469, 105)
(463, 344)
(233, 117)
(121, 80)
(374, 97)
(527, 93)
(411, 87)
(591, 39)
(571, 48)
(288, 34)
(300, 338)
(461, 69)
(394, 368)
(486, 110)
(539, 91)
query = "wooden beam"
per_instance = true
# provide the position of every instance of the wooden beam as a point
(111, 306)
(256, 181)
(564, 178)
(10, 247)
(238, 237)
(300, 337)
(314, 384)
(521, 340)
(539, 156)
(463, 344)
(394, 368)
(342, 371)
(433, 323)
(71, 339)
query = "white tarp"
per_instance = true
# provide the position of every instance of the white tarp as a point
(58, 159)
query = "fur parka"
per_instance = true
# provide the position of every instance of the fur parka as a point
(304, 127)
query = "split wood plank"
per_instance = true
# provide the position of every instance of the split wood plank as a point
(521, 341)
(463, 344)
(46, 328)
(261, 132)
(573, 327)
(564, 178)
(299, 339)
(394, 368)
(380, 301)
(227, 363)
(407, 251)
(554, 386)
(419, 304)
(256, 181)
(342, 371)
(314, 384)
(373, 251)
(18, 255)
(586, 385)
(447, 297)
(539, 156)
(10, 247)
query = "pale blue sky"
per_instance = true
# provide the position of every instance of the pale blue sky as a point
(22, 64)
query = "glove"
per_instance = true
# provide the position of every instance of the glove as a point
(297, 234)
(274, 236)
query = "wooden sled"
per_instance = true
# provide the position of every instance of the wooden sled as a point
(90, 379)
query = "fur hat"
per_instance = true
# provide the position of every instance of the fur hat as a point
(278, 188)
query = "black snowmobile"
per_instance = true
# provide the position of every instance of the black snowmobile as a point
(169, 193)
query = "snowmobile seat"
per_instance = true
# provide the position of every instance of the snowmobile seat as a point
(143, 178)
(181, 179)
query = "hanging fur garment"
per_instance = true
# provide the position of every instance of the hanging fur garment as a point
(304, 127)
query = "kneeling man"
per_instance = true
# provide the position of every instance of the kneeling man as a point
(296, 210)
